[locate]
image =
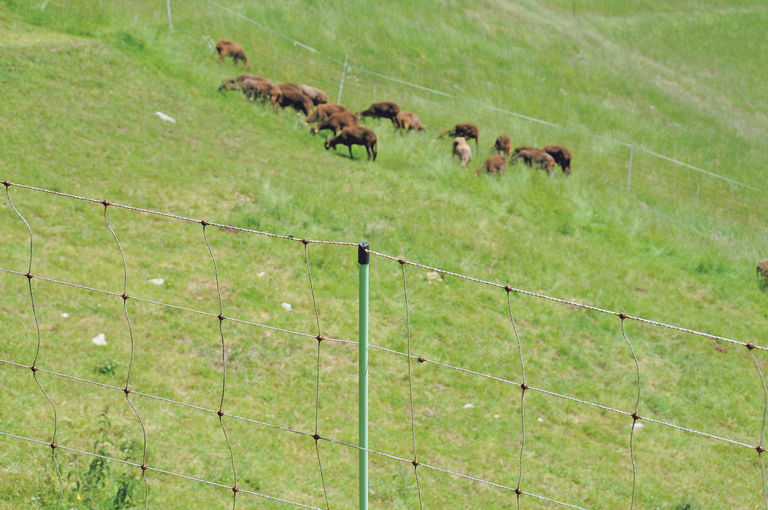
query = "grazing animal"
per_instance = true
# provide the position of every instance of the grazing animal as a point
(336, 122)
(262, 89)
(523, 148)
(355, 135)
(494, 164)
(292, 96)
(382, 110)
(236, 83)
(468, 131)
(538, 156)
(503, 145)
(315, 94)
(323, 111)
(762, 273)
(462, 150)
(562, 156)
(230, 49)
(407, 121)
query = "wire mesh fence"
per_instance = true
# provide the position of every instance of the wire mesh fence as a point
(482, 394)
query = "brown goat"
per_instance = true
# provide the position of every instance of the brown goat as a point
(323, 111)
(236, 83)
(292, 96)
(264, 90)
(230, 49)
(407, 121)
(462, 150)
(561, 155)
(538, 156)
(355, 135)
(503, 145)
(523, 148)
(468, 131)
(762, 269)
(336, 122)
(494, 164)
(381, 110)
(315, 94)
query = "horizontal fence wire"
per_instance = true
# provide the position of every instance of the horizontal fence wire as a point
(493, 108)
(421, 359)
(568, 302)
(145, 467)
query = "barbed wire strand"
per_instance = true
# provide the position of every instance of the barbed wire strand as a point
(415, 461)
(163, 471)
(127, 389)
(751, 346)
(176, 216)
(383, 255)
(220, 412)
(34, 368)
(568, 302)
(635, 416)
(523, 387)
(760, 449)
(317, 378)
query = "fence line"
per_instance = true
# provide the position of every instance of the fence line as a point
(145, 468)
(319, 337)
(486, 106)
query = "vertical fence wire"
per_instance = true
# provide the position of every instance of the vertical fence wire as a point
(415, 461)
(34, 368)
(320, 339)
(127, 389)
(224, 366)
(523, 387)
(760, 449)
(635, 416)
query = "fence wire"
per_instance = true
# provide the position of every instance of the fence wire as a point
(493, 108)
(417, 463)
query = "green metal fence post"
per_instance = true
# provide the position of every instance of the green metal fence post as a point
(363, 258)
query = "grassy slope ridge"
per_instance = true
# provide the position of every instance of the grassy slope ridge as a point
(83, 84)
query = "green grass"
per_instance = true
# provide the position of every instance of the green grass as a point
(81, 84)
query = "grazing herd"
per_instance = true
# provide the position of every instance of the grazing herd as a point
(345, 125)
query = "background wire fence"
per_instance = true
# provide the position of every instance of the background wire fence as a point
(650, 174)
(203, 383)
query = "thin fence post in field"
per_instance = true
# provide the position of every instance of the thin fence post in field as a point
(629, 172)
(343, 73)
(363, 259)
(170, 17)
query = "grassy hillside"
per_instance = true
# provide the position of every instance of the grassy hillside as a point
(82, 83)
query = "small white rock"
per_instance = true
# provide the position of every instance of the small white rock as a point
(287, 307)
(261, 274)
(638, 425)
(157, 281)
(99, 339)
(540, 419)
(64, 314)
(165, 117)
(497, 416)
(468, 406)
